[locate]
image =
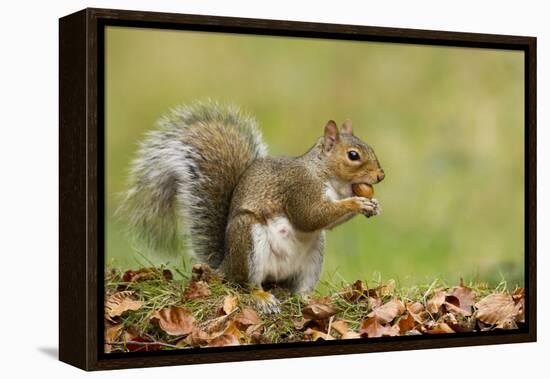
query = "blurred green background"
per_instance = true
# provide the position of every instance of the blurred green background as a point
(446, 124)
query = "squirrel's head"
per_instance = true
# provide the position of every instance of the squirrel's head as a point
(348, 157)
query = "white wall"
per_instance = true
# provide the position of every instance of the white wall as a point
(28, 201)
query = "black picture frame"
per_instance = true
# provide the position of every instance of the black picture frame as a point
(81, 183)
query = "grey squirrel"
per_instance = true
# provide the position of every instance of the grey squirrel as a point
(205, 174)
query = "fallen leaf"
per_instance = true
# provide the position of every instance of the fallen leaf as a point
(120, 302)
(197, 337)
(387, 312)
(229, 304)
(355, 292)
(316, 334)
(440, 328)
(386, 289)
(466, 298)
(342, 328)
(417, 311)
(436, 302)
(146, 273)
(224, 340)
(372, 328)
(112, 334)
(406, 323)
(143, 343)
(318, 311)
(112, 331)
(247, 317)
(175, 321)
(196, 290)
(455, 309)
(496, 308)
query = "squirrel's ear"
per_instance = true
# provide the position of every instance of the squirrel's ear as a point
(347, 127)
(331, 133)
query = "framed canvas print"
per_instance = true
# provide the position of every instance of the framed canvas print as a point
(237, 189)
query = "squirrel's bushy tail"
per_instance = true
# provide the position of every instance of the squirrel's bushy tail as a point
(184, 175)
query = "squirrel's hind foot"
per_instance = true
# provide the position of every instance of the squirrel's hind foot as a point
(265, 301)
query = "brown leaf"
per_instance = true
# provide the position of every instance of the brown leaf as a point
(450, 307)
(227, 336)
(197, 337)
(120, 302)
(146, 273)
(247, 317)
(342, 328)
(112, 331)
(466, 298)
(436, 302)
(496, 308)
(132, 336)
(355, 292)
(316, 334)
(406, 323)
(440, 328)
(229, 304)
(417, 311)
(196, 290)
(386, 289)
(318, 311)
(372, 328)
(175, 321)
(112, 334)
(387, 312)
(224, 340)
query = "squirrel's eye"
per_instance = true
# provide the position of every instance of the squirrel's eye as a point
(353, 155)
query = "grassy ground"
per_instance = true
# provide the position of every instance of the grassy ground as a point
(155, 308)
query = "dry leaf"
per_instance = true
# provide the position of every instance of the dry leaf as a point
(175, 321)
(496, 308)
(316, 334)
(436, 302)
(112, 334)
(387, 312)
(196, 290)
(246, 317)
(342, 328)
(112, 331)
(318, 311)
(440, 328)
(386, 289)
(372, 328)
(417, 311)
(406, 323)
(146, 273)
(229, 304)
(224, 340)
(120, 302)
(455, 309)
(466, 298)
(133, 336)
(355, 292)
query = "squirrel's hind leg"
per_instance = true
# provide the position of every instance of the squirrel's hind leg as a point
(238, 266)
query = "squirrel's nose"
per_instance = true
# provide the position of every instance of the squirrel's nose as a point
(381, 175)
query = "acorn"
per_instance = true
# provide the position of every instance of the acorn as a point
(363, 190)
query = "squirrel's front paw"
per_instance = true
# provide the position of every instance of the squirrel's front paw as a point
(265, 302)
(368, 207)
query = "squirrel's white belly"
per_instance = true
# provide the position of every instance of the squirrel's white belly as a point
(281, 251)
